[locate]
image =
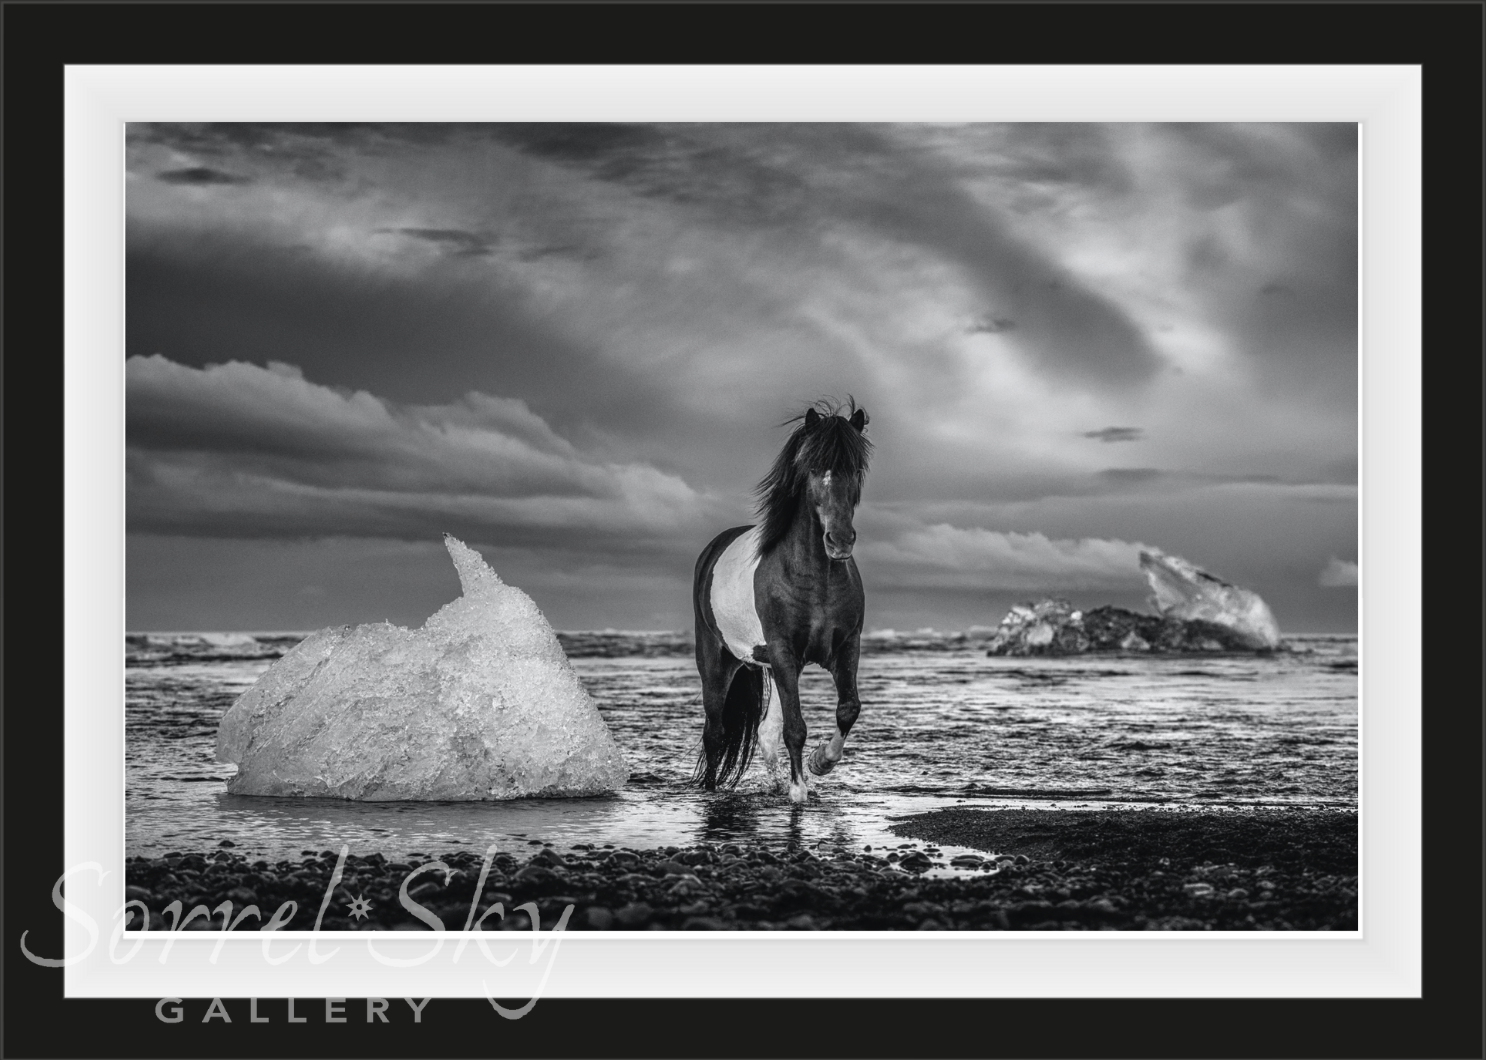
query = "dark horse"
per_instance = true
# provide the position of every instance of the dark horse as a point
(771, 598)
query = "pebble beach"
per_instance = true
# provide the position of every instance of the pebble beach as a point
(1040, 870)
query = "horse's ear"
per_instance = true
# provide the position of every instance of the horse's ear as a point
(811, 417)
(859, 419)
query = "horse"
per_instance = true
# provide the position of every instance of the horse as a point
(771, 597)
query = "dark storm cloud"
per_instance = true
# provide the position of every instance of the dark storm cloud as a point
(219, 138)
(257, 139)
(276, 418)
(316, 150)
(171, 496)
(1117, 434)
(658, 296)
(690, 165)
(1241, 161)
(821, 175)
(199, 175)
(309, 151)
(213, 299)
(1070, 330)
(1292, 190)
(239, 450)
(1062, 153)
(575, 141)
(602, 143)
(412, 339)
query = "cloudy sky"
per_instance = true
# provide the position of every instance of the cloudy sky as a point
(572, 346)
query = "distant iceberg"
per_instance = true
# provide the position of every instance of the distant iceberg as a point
(1197, 612)
(1180, 590)
(480, 703)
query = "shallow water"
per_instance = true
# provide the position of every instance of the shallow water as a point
(941, 724)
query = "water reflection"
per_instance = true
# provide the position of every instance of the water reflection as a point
(796, 832)
(729, 817)
(936, 729)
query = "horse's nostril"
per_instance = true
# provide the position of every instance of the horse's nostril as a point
(841, 542)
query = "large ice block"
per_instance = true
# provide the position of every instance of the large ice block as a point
(1196, 612)
(1180, 590)
(480, 703)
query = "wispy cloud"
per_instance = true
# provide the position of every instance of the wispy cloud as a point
(947, 556)
(1116, 434)
(991, 325)
(456, 241)
(199, 175)
(1127, 475)
(1338, 574)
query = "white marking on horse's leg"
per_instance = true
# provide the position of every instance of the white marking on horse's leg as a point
(771, 731)
(799, 790)
(826, 754)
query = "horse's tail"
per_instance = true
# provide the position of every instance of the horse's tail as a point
(742, 711)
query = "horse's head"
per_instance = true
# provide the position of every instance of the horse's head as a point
(819, 472)
(834, 489)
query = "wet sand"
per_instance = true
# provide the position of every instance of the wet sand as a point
(1253, 868)
(1261, 869)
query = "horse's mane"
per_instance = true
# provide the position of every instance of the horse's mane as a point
(830, 444)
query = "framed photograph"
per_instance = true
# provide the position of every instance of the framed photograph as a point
(559, 550)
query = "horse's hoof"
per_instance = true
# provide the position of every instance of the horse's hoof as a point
(818, 763)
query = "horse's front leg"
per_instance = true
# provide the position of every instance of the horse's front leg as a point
(771, 735)
(844, 672)
(787, 684)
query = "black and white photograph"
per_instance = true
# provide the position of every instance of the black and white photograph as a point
(742, 526)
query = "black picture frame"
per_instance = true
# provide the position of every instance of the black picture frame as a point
(1445, 38)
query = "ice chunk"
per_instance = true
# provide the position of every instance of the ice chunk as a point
(1181, 590)
(1197, 612)
(1049, 627)
(481, 703)
(1054, 627)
